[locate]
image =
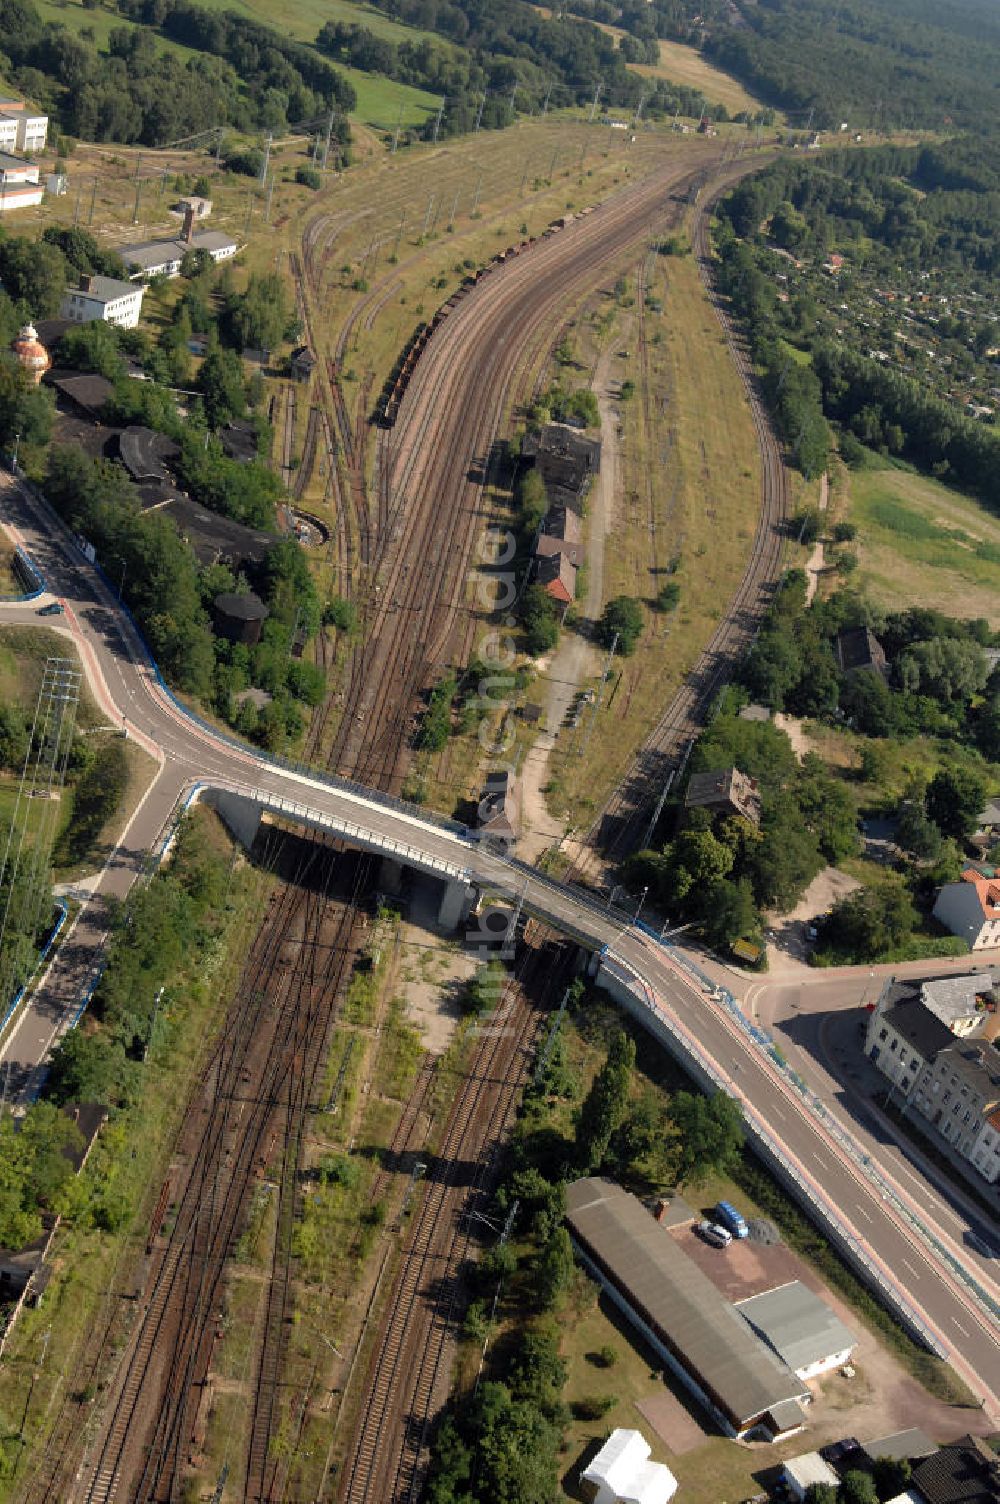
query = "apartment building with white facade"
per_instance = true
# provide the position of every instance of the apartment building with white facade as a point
(107, 298)
(935, 1040)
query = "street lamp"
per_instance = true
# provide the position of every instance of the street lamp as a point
(17, 440)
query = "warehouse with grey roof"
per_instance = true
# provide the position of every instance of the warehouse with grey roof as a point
(746, 1387)
(800, 1327)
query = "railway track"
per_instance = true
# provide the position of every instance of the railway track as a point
(385, 1460)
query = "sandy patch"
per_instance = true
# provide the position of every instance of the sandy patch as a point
(433, 971)
(795, 730)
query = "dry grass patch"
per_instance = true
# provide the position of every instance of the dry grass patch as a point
(680, 64)
(697, 471)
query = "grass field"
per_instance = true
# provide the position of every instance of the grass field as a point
(922, 543)
(686, 65)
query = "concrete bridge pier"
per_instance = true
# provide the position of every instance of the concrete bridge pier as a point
(241, 816)
(456, 904)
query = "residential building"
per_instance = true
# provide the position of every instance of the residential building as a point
(725, 791)
(118, 303)
(556, 574)
(987, 831)
(622, 1473)
(19, 183)
(909, 1446)
(698, 1333)
(499, 814)
(560, 534)
(858, 650)
(966, 1471)
(971, 908)
(935, 1041)
(800, 1327)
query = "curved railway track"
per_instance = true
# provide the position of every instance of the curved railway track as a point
(435, 460)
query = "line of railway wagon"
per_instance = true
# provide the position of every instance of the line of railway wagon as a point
(400, 379)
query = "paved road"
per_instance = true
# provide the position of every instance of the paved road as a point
(126, 685)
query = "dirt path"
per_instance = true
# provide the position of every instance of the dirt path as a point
(817, 559)
(576, 659)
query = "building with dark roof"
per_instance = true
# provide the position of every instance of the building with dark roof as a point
(966, 1471)
(744, 1385)
(145, 453)
(86, 392)
(239, 618)
(858, 650)
(900, 1446)
(239, 441)
(498, 813)
(724, 791)
(301, 363)
(560, 534)
(214, 539)
(565, 458)
(800, 1327)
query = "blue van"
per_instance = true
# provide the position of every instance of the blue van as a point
(730, 1219)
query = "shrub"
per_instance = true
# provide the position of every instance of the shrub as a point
(308, 177)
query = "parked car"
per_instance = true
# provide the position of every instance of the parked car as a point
(54, 608)
(713, 1234)
(728, 1217)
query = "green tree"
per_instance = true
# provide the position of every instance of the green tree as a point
(92, 347)
(533, 501)
(220, 381)
(540, 618)
(605, 1105)
(857, 1487)
(709, 1134)
(622, 618)
(891, 1475)
(34, 273)
(917, 833)
(554, 1271)
(821, 1493)
(870, 922)
(26, 410)
(946, 668)
(955, 798)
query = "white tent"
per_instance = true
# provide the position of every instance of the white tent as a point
(622, 1473)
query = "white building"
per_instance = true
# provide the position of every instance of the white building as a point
(800, 1473)
(20, 128)
(971, 908)
(118, 303)
(622, 1473)
(162, 258)
(800, 1327)
(19, 185)
(934, 1041)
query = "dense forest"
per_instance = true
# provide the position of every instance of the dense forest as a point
(244, 74)
(516, 57)
(881, 63)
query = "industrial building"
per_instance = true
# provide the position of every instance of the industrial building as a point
(162, 258)
(743, 1384)
(622, 1473)
(498, 814)
(107, 298)
(800, 1327)
(239, 618)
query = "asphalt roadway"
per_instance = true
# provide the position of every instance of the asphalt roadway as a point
(189, 754)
